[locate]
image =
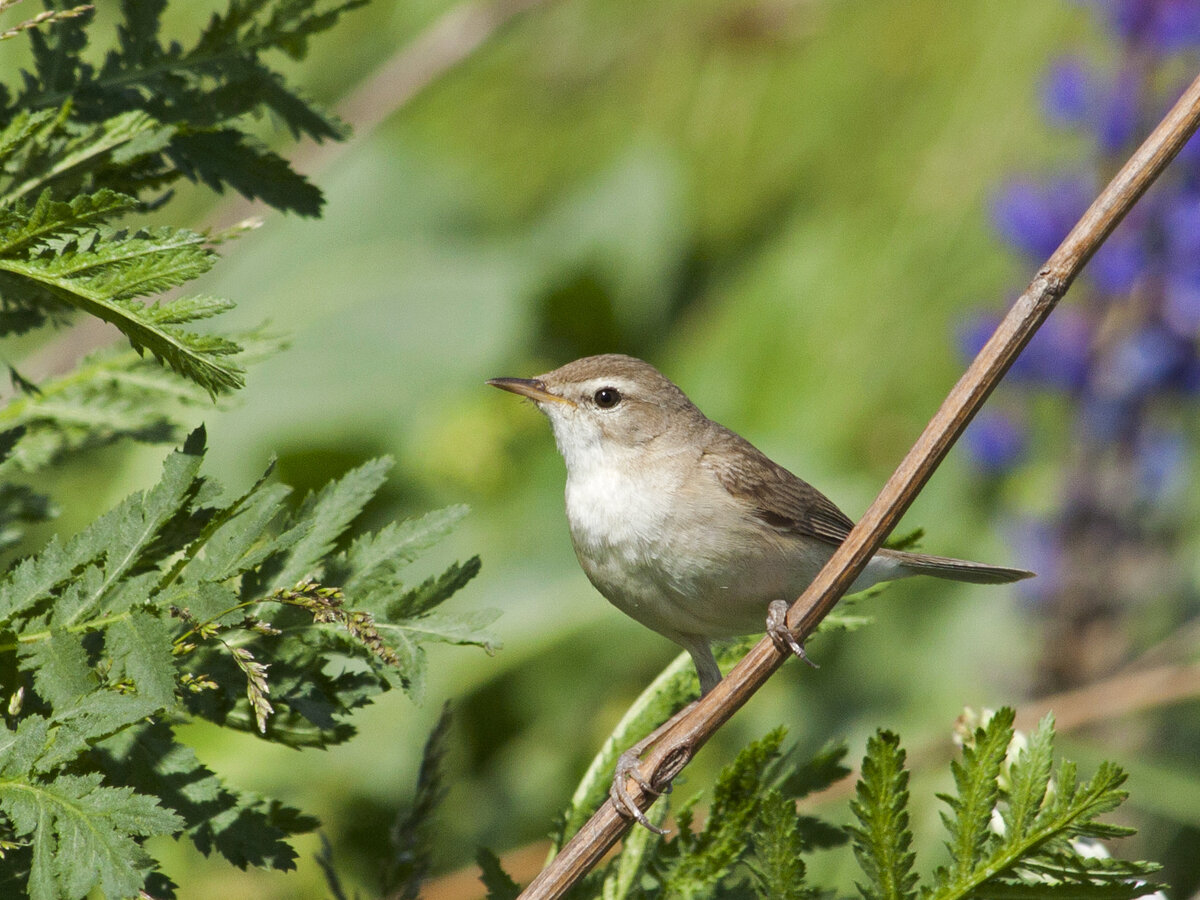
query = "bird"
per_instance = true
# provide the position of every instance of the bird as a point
(686, 526)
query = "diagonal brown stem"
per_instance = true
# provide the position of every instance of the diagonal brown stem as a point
(680, 743)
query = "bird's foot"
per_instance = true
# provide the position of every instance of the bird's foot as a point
(778, 629)
(629, 766)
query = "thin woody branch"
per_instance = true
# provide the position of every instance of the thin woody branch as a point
(691, 730)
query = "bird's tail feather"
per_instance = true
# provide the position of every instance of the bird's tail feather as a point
(956, 569)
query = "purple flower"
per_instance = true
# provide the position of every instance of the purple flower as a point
(1120, 261)
(1181, 222)
(1039, 547)
(1150, 359)
(1067, 92)
(1057, 356)
(1161, 458)
(1181, 302)
(995, 441)
(1119, 123)
(1189, 156)
(1176, 25)
(1166, 25)
(1036, 217)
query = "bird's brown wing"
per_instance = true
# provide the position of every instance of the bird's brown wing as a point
(777, 497)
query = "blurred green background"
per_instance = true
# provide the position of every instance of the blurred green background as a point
(783, 204)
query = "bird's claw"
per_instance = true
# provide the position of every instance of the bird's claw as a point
(782, 635)
(629, 766)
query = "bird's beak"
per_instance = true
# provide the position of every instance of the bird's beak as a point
(532, 388)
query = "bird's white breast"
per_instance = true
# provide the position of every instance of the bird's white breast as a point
(661, 551)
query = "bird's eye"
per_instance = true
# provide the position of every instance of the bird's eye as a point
(607, 398)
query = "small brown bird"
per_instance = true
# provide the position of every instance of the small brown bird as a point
(686, 526)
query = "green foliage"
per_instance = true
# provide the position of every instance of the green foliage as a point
(882, 841)
(55, 255)
(749, 843)
(1015, 830)
(414, 829)
(183, 602)
(86, 146)
(745, 802)
(498, 883)
(193, 99)
(1047, 822)
(90, 142)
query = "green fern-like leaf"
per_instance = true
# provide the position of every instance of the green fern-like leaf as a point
(83, 835)
(1030, 840)
(170, 604)
(883, 840)
(194, 95)
(102, 272)
(976, 777)
(499, 883)
(325, 515)
(709, 855)
(776, 864)
(50, 150)
(414, 829)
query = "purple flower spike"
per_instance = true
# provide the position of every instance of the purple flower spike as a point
(1067, 93)
(1036, 217)
(1119, 124)
(1165, 25)
(1039, 547)
(975, 334)
(1176, 25)
(1181, 221)
(1150, 359)
(1131, 18)
(1058, 355)
(1120, 262)
(1189, 156)
(995, 441)
(1181, 303)
(1161, 459)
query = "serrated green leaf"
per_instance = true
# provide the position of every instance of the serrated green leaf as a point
(712, 853)
(1030, 777)
(22, 747)
(226, 156)
(1042, 851)
(462, 628)
(976, 779)
(776, 864)
(56, 147)
(34, 579)
(395, 545)
(824, 769)
(83, 834)
(90, 718)
(20, 228)
(325, 515)
(883, 839)
(130, 530)
(413, 832)
(101, 280)
(61, 672)
(236, 537)
(433, 591)
(140, 647)
(499, 883)
(243, 827)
